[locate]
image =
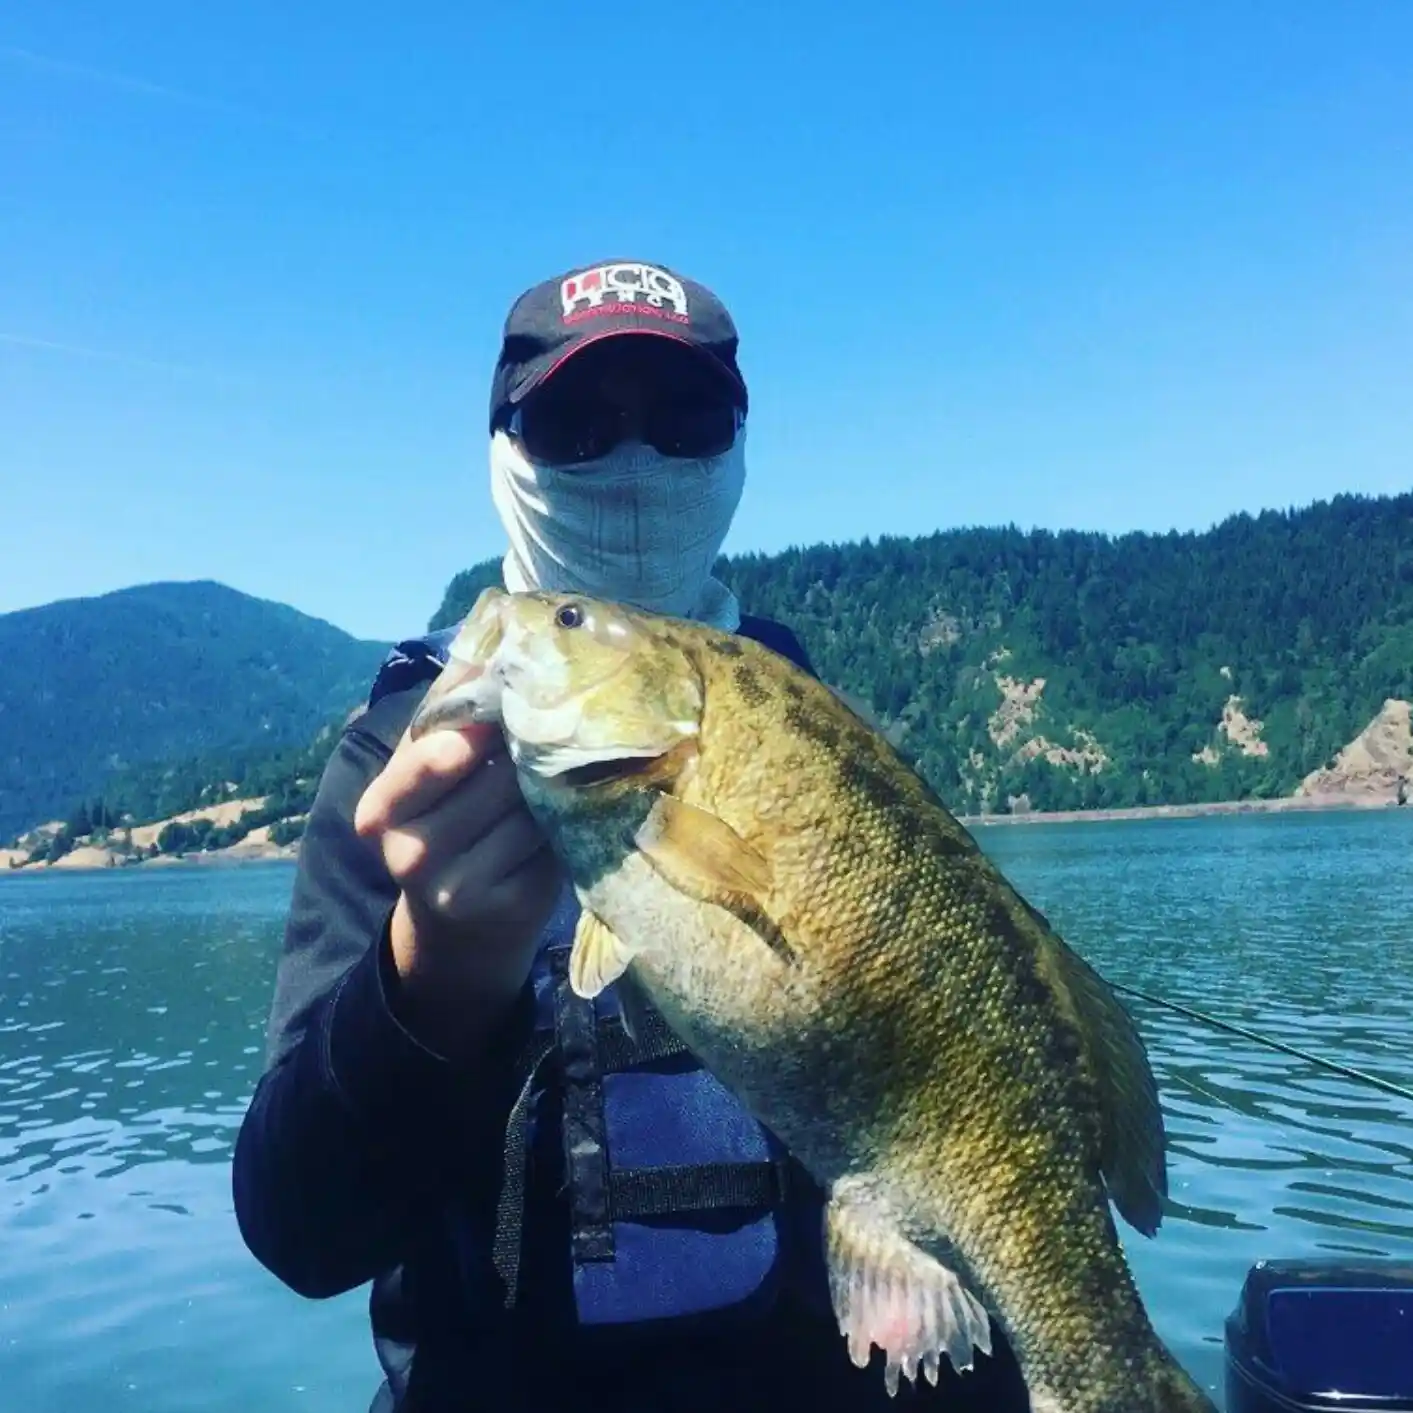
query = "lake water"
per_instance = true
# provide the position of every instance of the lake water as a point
(132, 1010)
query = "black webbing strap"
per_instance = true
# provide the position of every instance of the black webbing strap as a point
(585, 1125)
(653, 1042)
(510, 1209)
(655, 1192)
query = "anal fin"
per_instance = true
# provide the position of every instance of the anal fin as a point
(889, 1292)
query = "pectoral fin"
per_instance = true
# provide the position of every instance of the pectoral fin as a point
(598, 957)
(700, 855)
(889, 1292)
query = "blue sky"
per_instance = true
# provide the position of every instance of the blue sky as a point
(1110, 266)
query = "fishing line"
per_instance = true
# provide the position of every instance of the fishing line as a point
(1387, 1085)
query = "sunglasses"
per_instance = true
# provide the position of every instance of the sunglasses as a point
(570, 430)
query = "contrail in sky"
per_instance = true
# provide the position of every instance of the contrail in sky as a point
(110, 78)
(77, 350)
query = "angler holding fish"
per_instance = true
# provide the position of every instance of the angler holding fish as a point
(653, 1039)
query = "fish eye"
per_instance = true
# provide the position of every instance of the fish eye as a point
(570, 616)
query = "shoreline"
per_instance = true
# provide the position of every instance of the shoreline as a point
(1284, 804)
(137, 844)
(212, 858)
(262, 851)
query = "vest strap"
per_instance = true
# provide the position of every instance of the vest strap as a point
(617, 1052)
(510, 1208)
(658, 1192)
(585, 1124)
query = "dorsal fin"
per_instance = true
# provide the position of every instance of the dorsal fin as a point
(1133, 1143)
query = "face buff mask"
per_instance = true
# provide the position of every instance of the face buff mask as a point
(634, 526)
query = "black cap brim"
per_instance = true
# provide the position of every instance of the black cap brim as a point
(535, 372)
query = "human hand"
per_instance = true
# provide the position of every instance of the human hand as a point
(478, 880)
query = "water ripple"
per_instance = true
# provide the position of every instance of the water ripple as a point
(132, 1011)
(1291, 928)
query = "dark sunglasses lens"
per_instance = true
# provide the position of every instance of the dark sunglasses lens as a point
(570, 423)
(560, 432)
(693, 432)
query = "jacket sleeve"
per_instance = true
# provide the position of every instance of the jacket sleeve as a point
(356, 1133)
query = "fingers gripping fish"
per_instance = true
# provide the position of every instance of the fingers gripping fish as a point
(756, 862)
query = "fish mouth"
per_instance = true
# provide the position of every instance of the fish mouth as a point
(558, 674)
(470, 689)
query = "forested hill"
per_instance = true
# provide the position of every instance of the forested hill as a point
(1073, 670)
(1041, 670)
(92, 689)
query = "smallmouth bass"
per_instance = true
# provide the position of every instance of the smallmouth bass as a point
(758, 864)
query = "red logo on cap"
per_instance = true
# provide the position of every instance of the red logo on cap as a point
(623, 289)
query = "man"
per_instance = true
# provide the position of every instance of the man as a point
(552, 1216)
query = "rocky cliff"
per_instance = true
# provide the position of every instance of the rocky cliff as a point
(1377, 763)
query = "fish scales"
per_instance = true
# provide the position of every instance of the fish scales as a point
(757, 862)
(903, 916)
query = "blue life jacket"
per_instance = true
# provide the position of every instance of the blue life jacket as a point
(681, 1204)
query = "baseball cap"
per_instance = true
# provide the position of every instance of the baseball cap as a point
(557, 318)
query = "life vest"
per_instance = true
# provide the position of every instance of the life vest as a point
(680, 1203)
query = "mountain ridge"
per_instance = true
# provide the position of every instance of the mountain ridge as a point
(1024, 672)
(98, 684)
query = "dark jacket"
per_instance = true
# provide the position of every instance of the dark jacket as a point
(364, 1157)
